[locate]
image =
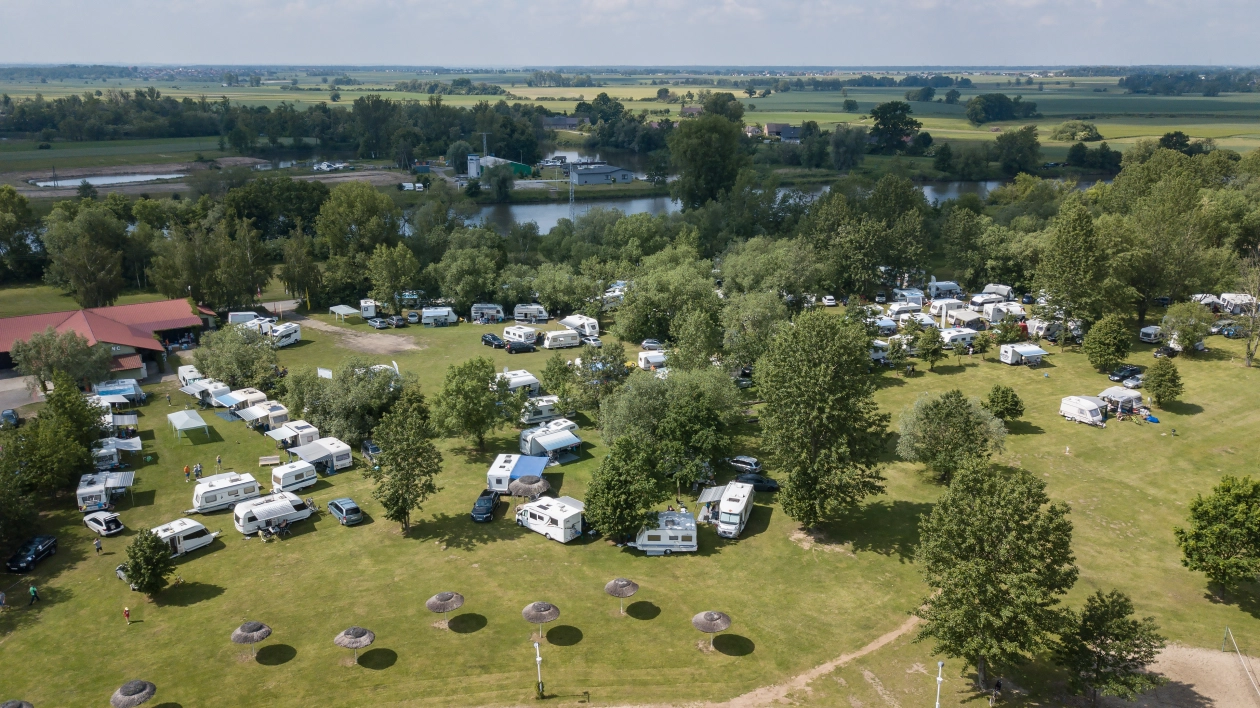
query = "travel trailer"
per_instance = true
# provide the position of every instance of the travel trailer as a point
(509, 467)
(293, 476)
(1040, 329)
(294, 432)
(222, 491)
(1005, 292)
(338, 452)
(438, 316)
(561, 339)
(241, 317)
(897, 309)
(583, 325)
(1237, 303)
(942, 307)
(184, 536)
(286, 334)
(530, 313)
(943, 289)
(925, 320)
(188, 374)
(245, 397)
(651, 360)
(97, 491)
(269, 512)
(998, 311)
(958, 337)
(879, 351)
(520, 333)
(1084, 409)
(206, 390)
(367, 308)
(1017, 354)
(487, 312)
(978, 302)
(267, 415)
(1151, 335)
(674, 532)
(541, 409)
(734, 508)
(558, 519)
(516, 380)
(551, 439)
(914, 296)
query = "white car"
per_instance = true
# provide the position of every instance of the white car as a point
(829, 300)
(593, 341)
(104, 523)
(1134, 381)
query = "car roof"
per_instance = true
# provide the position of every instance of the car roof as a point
(744, 458)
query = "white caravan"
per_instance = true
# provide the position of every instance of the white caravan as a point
(184, 536)
(367, 308)
(188, 374)
(509, 467)
(96, 491)
(1005, 292)
(897, 309)
(942, 307)
(675, 532)
(879, 351)
(998, 311)
(521, 379)
(965, 318)
(914, 296)
(268, 415)
(651, 360)
(550, 438)
(958, 337)
(488, 311)
(286, 334)
(1151, 335)
(246, 397)
(561, 339)
(520, 333)
(1084, 409)
(293, 476)
(978, 302)
(1017, 354)
(222, 491)
(583, 325)
(1237, 303)
(339, 451)
(541, 409)
(295, 432)
(943, 288)
(438, 316)
(925, 320)
(558, 519)
(530, 313)
(269, 511)
(734, 508)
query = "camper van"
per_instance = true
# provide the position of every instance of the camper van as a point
(530, 313)
(241, 317)
(269, 511)
(367, 308)
(651, 360)
(943, 289)
(978, 302)
(286, 334)
(509, 467)
(942, 307)
(541, 410)
(734, 509)
(293, 476)
(520, 333)
(1017, 354)
(184, 536)
(487, 312)
(957, 337)
(1151, 335)
(188, 374)
(519, 379)
(438, 316)
(674, 532)
(1005, 292)
(558, 519)
(583, 325)
(1084, 409)
(294, 432)
(222, 491)
(561, 339)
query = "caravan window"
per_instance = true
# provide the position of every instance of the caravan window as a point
(250, 518)
(673, 537)
(234, 492)
(249, 490)
(197, 534)
(91, 498)
(209, 498)
(654, 537)
(686, 539)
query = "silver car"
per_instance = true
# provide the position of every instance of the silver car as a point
(592, 341)
(1134, 381)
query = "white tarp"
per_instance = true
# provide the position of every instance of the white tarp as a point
(131, 444)
(115, 398)
(711, 494)
(272, 509)
(190, 390)
(228, 400)
(125, 419)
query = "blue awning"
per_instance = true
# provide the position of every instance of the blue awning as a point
(527, 465)
(558, 441)
(227, 400)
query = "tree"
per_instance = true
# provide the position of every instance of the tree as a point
(474, 401)
(668, 284)
(238, 357)
(1019, 150)
(748, 322)
(848, 146)
(1163, 382)
(997, 556)
(149, 561)
(85, 245)
(1223, 538)
(707, 157)
(929, 346)
(1176, 140)
(457, 156)
(724, 103)
(944, 159)
(350, 404)
(499, 180)
(1073, 267)
(408, 462)
(86, 190)
(299, 272)
(600, 373)
(356, 217)
(624, 489)
(1108, 342)
(952, 96)
(821, 425)
(1186, 324)
(982, 343)
(1008, 331)
(893, 125)
(1249, 284)
(849, 106)
(466, 275)
(558, 379)
(44, 456)
(1106, 651)
(17, 509)
(897, 354)
(392, 270)
(696, 338)
(1004, 403)
(68, 408)
(48, 352)
(945, 431)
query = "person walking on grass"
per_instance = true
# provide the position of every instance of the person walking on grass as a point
(187, 471)
(3, 606)
(218, 463)
(96, 542)
(127, 615)
(168, 399)
(186, 476)
(34, 596)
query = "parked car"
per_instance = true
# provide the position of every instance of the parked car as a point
(829, 300)
(1124, 371)
(1165, 351)
(396, 321)
(519, 347)
(31, 553)
(483, 508)
(1134, 381)
(1234, 332)
(760, 483)
(9, 418)
(1027, 299)
(492, 340)
(413, 317)
(651, 345)
(104, 523)
(369, 450)
(1219, 326)
(378, 323)
(881, 297)
(744, 463)
(345, 511)
(592, 341)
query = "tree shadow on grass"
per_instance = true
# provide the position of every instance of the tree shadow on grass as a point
(1023, 427)
(462, 533)
(21, 613)
(467, 623)
(276, 654)
(1183, 408)
(186, 594)
(889, 528)
(643, 610)
(169, 704)
(556, 480)
(889, 380)
(733, 645)
(564, 635)
(378, 659)
(947, 369)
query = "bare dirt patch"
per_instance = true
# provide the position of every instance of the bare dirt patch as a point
(377, 178)
(367, 342)
(441, 624)
(1197, 678)
(813, 539)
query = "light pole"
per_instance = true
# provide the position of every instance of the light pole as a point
(940, 666)
(538, 661)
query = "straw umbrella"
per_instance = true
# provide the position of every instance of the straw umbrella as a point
(132, 694)
(16, 704)
(621, 588)
(530, 485)
(540, 613)
(250, 633)
(355, 638)
(711, 623)
(444, 602)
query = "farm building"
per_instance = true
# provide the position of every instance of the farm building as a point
(600, 174)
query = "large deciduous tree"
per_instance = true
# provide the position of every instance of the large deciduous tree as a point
(1073, 270)
(1222, 540)
(1185, 324)
(48, 352)
(624, 488)
(893, 126)
(1163, 382)
(85, 244)
(238, 357)
(1108, 342)
(748, 322)
(149, 562)
(356, 217)
(474, 401)
(707, 156)
(408, 462)
(1105, 650)
(350, 404)
(945, 431)
(392, 270)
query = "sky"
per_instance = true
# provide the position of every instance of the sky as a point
(515, 33)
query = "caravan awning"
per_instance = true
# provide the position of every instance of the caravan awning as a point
(227, 400)
(1029, 350)
(312, 453)
(125, 419)
(528, 465)
(129, 444)
(115, 398)
(1119, 394)
(272, 509)
(252, 413)
(189, 390)
(711, 494)
(120, 480)
(558, 441)
(281, 433)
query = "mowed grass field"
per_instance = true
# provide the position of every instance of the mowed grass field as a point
(795, 604)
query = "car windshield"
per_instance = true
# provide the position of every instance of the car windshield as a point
(729, 518)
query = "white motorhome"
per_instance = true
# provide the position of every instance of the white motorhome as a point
(222, 491)
(1005, 292)
(651, 360)
(530, 313)
(958, 337)
(487, 311)
(241, 317)
(1017, 354)
(286, 334)
(367, 308)
(734, 508)
(438, 316)
(293, 476)
(520, 333)
(509, 467)
(942, 307)
(561, 339)
(1084, 409)
(188, 374)
(583, 325)
(184, 536)
(897, 309)
(558, 519)
(516, 380)
(914, 296)
(541, 409)
(1151, 335)
(943, 289)
(269, 511)
(294, 432)
(674, 532)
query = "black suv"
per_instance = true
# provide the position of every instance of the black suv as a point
(483, 508)
(519, 347)
(492, 340)
(1125, 371)
(32, 552)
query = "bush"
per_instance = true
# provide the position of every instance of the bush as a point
(1163, 382)
(1076, 131)
(1004, 403)
(945, 431)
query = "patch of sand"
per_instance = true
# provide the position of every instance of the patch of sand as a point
(368, 342)
(1197, 678)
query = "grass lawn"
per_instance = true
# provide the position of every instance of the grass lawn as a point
(793, 607)
(36, 298)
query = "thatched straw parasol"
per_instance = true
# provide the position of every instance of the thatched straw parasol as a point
(132, 694)
(355, 638)
(531, 485)
(16, 704)
(711, 623)
(621, 588)
(540, 613)
(251, 633)
(444, 602)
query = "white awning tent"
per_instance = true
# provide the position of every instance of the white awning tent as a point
(129, 444)
(342, 311)
(272, 509)
(1123, 398)
(183, 421)
(122, 420)
(116, 399)
(252, 413)
(227, 400)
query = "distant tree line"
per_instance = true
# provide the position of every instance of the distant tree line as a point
(457, 87)
(1175, 83)
(555, 78)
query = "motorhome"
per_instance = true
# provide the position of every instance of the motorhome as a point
(965, 318)
(294, 432)
(583, 325)
(269, 511)
(541, 409)
(914, 296)
(978, 302)
(97, 491)
(1021, 354)
(241, 317)
(897, 309)
(293, 476)
(1005, 292)
(651, 360)
(1084, 409)
(438, 316)
(943, 289)
(520, 333)
(222, 491)
(551, 439)
(734, 508)
(509, 467)
(367, 308)
(184, 536)
(286, 334)
(267, 415)
(487, 312)
(558, 519)
(188, 374)
(561, 339)
(957, 337)
(530, 313)
(1151, 335)
(673, 532)
(942, 307)
(521, 379)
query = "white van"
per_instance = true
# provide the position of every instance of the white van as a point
(558, 519)
(520, 333)
(530, 313)
(516, 380)
(734, 509)
(1151, 335)
(184, 536)
(269, 511)
(583, 325)
(942, 307)
(1084, 409)
(487, 311)
(438, 316)
(561, 339)
(651, 360)
(541, 409)
(286, 334)
(241, 317)
(675, 532)
(222, 491)
(188, 374)
(957, 337)
(293, 476)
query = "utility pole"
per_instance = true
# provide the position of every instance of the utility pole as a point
(484, 149)
(940, 666)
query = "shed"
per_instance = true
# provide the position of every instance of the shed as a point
(183, 421)
(600, 174)
(342, 311)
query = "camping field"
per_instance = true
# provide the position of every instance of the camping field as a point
(797, 600)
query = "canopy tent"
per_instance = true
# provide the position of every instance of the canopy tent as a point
(183, 421)
(561, 440)
(123, 420)
(312, 453)
(116, 399)
(342, 311)
(711, 494)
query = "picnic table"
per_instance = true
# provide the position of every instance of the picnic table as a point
(268, 460)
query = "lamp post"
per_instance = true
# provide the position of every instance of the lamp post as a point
(940, 666)
(538, 661)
